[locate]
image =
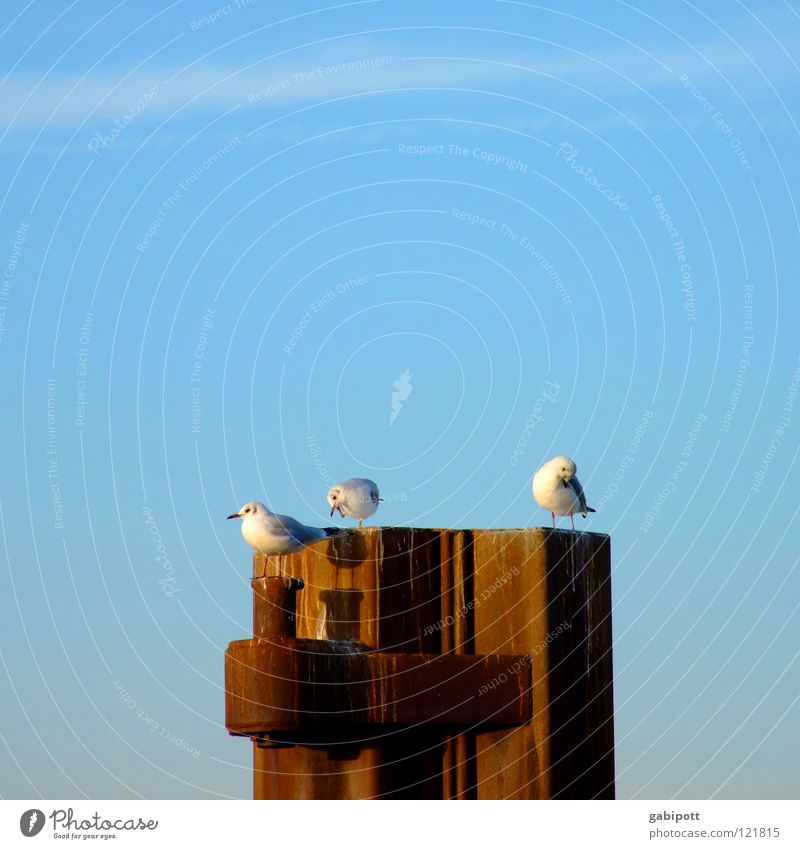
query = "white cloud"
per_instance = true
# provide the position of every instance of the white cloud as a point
(101, 99)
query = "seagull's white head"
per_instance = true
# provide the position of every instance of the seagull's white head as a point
(252, 508)
(564, 468)
(335, 500)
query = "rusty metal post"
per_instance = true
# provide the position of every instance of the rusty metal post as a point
(361, 590)
(274, 608)
(421, 663)
(549, 591)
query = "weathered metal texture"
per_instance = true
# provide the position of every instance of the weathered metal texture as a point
(316, 685)
(379, 587)
(275, 607)
(548, 593)
(532, 592)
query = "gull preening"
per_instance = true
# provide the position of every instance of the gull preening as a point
(357, 498)
(557, 489)
(272, 534)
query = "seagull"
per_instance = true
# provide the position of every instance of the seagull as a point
(357, 498)
(272, 534)
(557, 489)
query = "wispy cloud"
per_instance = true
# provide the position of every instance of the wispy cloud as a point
(28, 101)
(100, 100)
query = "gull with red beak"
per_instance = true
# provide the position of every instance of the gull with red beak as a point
(557, 489)
(273, 534)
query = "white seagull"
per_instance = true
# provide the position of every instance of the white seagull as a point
(357, 498)
(557, 489)
(273, 534)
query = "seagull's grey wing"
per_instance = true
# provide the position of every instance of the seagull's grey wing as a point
(374, 495)
(575, 485)
(286, 525)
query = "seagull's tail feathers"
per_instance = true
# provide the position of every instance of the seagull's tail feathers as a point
(590, 510)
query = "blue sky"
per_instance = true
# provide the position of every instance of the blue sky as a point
(225, 235)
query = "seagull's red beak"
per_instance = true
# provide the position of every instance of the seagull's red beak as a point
(234, 516)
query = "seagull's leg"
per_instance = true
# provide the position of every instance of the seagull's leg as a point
(554, 520)
(360, 523)
(572, 519)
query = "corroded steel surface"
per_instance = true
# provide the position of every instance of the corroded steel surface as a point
(403, 591)
(317, 685)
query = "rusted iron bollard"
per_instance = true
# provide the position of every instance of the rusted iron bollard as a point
(425, 663)
(275, 607)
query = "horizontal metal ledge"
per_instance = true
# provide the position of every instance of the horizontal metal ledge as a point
(298, 685)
